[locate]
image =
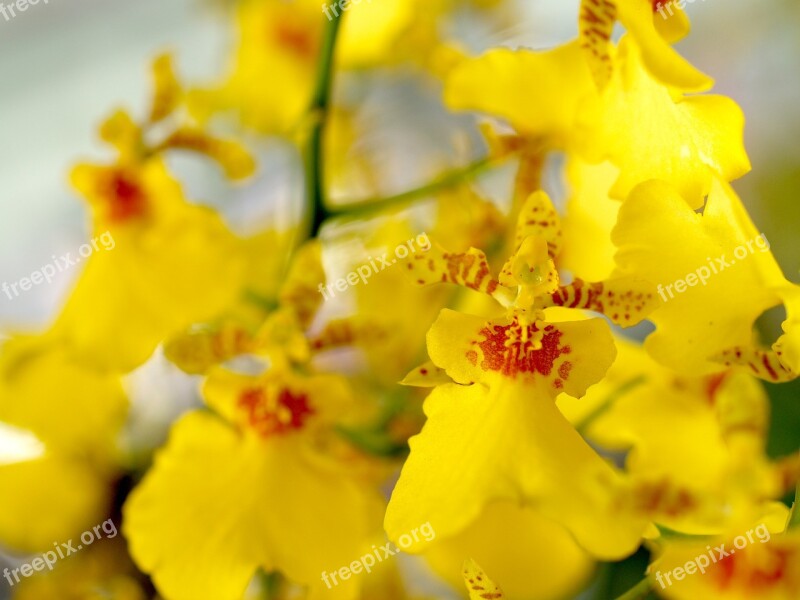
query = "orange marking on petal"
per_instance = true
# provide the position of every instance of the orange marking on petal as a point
(295, 38)
(472, 357)
(269, 415)
(126, 198)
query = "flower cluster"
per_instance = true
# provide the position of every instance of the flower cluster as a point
(493, 386)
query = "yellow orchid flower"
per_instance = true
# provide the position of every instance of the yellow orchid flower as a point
(699, 262)
(165, 263)
(550, 100)
(284, 41)
(75, 415)
(275, 38)
(695, 445)
(516, 450)
(757, 559)
(276, 431)
(653, 32)
(258, 466)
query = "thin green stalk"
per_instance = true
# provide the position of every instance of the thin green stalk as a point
(583, 425)
(637, 592)
(794, 516)
(318, 111)
(448, 180)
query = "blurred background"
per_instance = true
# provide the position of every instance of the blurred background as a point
(67, 64)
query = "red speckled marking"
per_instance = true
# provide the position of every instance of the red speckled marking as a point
(126, 198)
(290, 414)
(750, 575)
(504, 351)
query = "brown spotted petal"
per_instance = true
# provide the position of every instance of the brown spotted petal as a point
(538, 217)
(625, 301)
(349, 331)
(470, 269)
(764, 364)
(480, 587)
(596, 23)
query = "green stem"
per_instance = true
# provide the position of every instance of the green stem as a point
(640, 590)
(443, 182)
(794, 516)
(583, 425)
(320, 102)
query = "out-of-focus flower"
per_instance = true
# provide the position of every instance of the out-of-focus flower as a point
(168, 263)
(102, 572)
(756, 559)
(695, 445)
(263, 459)
(76, 414)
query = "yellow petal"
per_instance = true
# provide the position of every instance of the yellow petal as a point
(787, 347)
(167, 90)
(698, 136)
(752, 562)
(661, 240)
(537, 92)
(590, 216)
(77, 415)
(481, 445)
(54, 498)
(652, 34)
(70, 408)
(505, 541)
(235, 160)
(120, 131)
